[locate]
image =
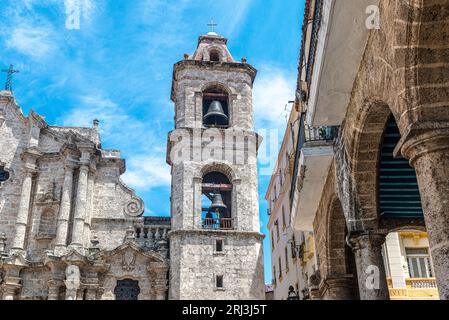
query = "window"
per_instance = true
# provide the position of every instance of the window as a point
(274, 275)
(277, 230)
(286, 259)
(219, 282)
(214, 56)
(219, 245)
(284, 225)
(4, 175)
(293, 243)
(280, 177)
(275, 193)
(280, 268)
(419, 263)
(272, 240)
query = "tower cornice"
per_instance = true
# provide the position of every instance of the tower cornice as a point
(222, 66)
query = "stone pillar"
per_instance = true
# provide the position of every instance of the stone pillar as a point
(29, 157)
(10, 288)
(91, 292)
(64, 211)
(80, 209)
(54, 287)
(371, 274)
(429, 155)
(88, 219)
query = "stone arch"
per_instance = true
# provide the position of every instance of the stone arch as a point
(213, 48)
(221, 167)
(365, 144)
(336, 263)
(217, 84)
(217, 91)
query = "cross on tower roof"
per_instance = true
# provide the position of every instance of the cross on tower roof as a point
(212, 25)
(9, 73)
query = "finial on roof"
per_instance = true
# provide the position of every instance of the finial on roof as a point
(96, 122)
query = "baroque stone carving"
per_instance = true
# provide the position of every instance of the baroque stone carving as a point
(129, 261)
(72, 281)
(49, 195)
(134, 208)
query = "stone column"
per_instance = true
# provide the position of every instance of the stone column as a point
(10, 288)
(88, 219)
(54, 287)
(29, 157)
(80, 209)
(371, 274)
(91, 292)
(64, 211)
(428, 152)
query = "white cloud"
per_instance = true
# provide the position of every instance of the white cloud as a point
(147, 172)
(146, 166)
(237, 16)
(273, 89)
(32, 41)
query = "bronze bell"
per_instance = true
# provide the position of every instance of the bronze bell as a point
(217, 203)
(215, 114)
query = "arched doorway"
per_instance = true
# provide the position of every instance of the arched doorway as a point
(127, 289)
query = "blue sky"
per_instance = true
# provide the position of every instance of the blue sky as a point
(117, 67)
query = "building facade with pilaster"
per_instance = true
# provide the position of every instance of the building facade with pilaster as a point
(69, 227)
(373, 147)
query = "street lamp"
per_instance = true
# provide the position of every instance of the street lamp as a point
(292, 294)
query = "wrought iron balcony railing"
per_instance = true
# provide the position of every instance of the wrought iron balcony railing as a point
(316, 23)
(218, 223)
(308, 134)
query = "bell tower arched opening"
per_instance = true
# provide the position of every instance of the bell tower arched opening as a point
(215, 108)
(216, 201)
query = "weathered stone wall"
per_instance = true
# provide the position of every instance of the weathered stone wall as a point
(195, 264)
(14, 139)
(193, 77)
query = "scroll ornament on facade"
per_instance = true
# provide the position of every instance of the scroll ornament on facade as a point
(134, 208)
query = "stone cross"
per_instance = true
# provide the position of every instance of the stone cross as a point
(212, 25)
(9, 72)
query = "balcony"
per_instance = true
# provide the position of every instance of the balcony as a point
(217, 223)
(416, 289)
(314, 156)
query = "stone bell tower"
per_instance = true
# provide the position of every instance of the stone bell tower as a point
(215, 243)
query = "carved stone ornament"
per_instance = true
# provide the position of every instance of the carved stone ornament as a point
(49, 195)
(134, 208)
(129, 260)
(72, 282)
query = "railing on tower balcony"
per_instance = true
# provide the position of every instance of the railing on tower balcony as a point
(308, 134)
(218, 223)
(316, 23)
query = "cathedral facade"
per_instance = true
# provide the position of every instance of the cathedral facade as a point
(71, 229)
